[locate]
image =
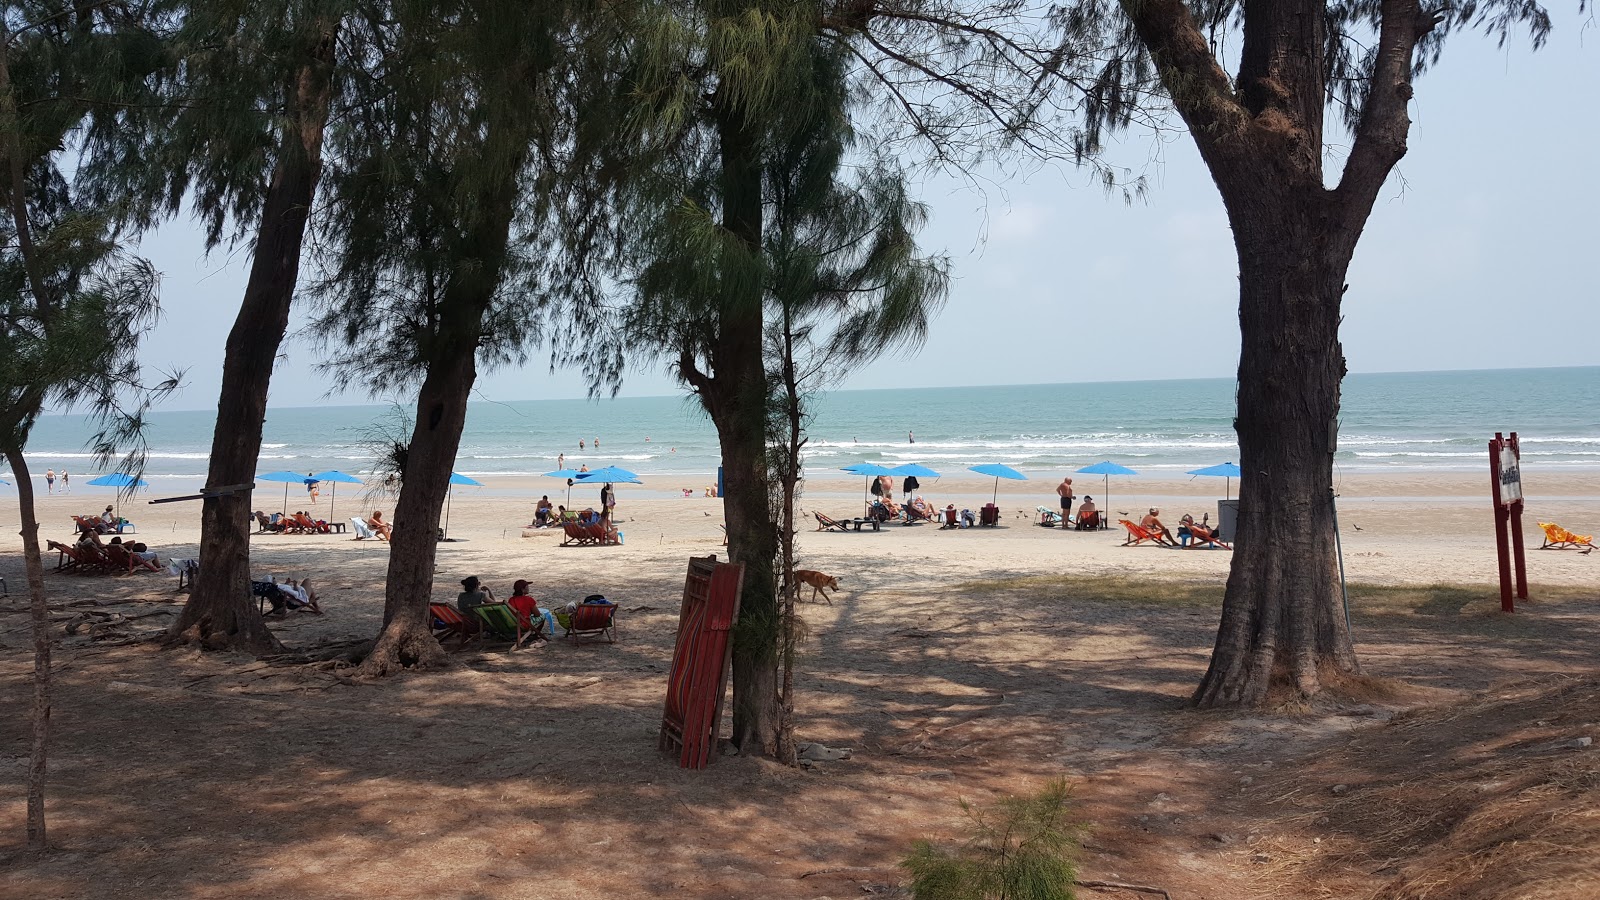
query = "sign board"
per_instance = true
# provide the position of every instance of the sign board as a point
(1509, 472)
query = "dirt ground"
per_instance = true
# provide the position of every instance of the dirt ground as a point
(535, 773)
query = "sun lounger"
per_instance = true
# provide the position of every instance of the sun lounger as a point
(1558, 538)
(67, 558)
(124, 561)
(594, 621)
(1138, 535)
(594, 535)
(447, 621)
(364, 531)
(1048, 517)
(502, 621)
(824, 523)
(918, 511)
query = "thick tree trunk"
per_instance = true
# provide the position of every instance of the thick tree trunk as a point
(39, 614)
(737, 400)
(1283, 632)
(221, 612)
(406, 640)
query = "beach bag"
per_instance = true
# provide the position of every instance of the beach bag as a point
(877, 488)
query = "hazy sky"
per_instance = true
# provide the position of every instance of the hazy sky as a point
(1480, 254)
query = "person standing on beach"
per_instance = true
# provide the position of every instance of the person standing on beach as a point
(1064, 491)
(311, 487)
(911, 438)
(49, 481)
(66, 481)
(561, 460)
(597, 443)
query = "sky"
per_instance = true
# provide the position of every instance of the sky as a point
(1479, 254)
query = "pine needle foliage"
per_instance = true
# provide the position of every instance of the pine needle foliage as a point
(1020, 848)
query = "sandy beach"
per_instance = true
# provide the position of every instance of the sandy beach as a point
(1414, 528)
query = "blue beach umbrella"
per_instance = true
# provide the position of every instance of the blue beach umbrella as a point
(607, 474)
(914, 469)
(119, 480)
(1222, 470)
(870, 471)
(569, 475)
(999, 471)
(610, 473)
(1108, 469)
(287, 478)
(455, 479)
(336, 478)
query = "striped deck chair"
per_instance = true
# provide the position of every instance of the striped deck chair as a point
(1558, 538)
(826, 524)
(1138, 535)
(594, 621)
(1048, 517)
(503, 622)
(67, 557)
(447, 621)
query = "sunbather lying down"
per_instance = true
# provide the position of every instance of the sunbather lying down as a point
(292, 594)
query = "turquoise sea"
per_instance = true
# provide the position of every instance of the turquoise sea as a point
(1426, 420)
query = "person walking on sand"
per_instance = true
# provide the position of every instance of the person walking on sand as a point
(1064, 491)
(49, 481)
(66, 481)
(561, 460)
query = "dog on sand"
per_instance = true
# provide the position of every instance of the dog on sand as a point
(818, 582)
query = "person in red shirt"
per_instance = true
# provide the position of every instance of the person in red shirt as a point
(527, 608)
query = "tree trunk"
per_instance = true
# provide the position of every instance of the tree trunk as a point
(39, 614)
(736, 397)
(221, 612)
(1283, 632)
(406, 640)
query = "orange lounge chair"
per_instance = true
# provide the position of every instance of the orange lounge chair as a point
(447, 621)
(594, 535)
(596, 621)
(1138, 535)
(1558, 538)
(125, 561)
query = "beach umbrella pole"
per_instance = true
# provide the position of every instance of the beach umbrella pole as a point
(286, 498)
(333, 501)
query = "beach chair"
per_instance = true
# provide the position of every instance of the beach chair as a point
(592, 621)
(67, 557)
(1201, 536)
(265, 525)
(1049, 518)
(989, 515)
(918, 511)
(1558, 538)
(364, 531)
(1090, 521)
(503, 622)
(1138, 535)
(826, 524)
(86, 524)
(447, 621)
(952, 519)
(125, 561)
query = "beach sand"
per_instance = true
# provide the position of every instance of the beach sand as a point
(535, 773)
(1413, 528)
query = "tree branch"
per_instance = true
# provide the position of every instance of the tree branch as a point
(1200, 89)
(1380, 140)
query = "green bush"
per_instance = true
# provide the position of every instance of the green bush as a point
(1021, 848)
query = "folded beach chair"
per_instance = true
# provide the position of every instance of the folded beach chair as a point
(447, 621)
(1138, 535)
(826, 524)
(1558, 538)
(364, 532)
(502, 621)
(595, 621)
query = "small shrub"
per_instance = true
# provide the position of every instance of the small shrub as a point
(1021, 848)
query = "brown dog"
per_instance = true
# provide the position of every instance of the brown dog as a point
(818, 582)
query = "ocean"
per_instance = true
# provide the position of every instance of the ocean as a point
(1423, 420)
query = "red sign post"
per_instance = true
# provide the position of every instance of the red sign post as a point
(1505, 472)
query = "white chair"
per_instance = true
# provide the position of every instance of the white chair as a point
(363, 530)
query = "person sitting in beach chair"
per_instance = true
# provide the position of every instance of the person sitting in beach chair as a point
(918, 510)
(1152, 524)
(533, 618)
(264, 523)
(1088, 515)
(1194, 534)
(1138, 534)
(952, 519)
(382, 529)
